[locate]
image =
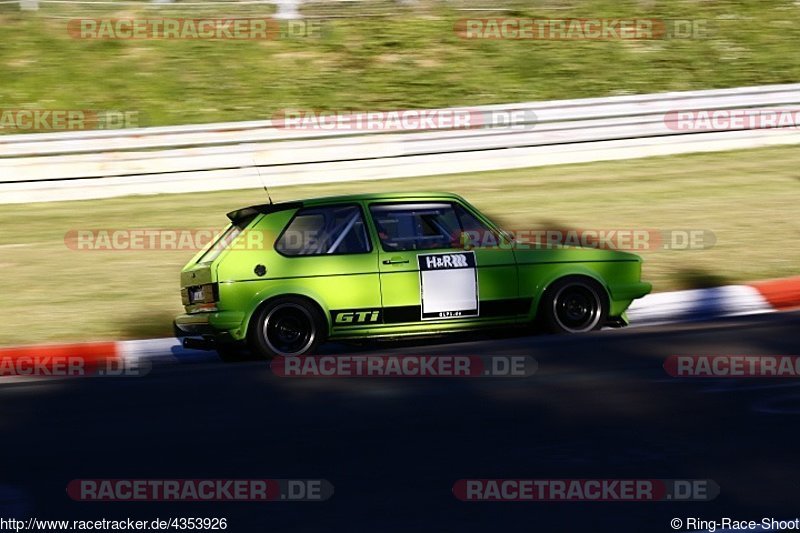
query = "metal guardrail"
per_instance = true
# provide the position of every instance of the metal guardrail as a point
(96, 164)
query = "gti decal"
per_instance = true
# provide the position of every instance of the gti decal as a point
(356, 317)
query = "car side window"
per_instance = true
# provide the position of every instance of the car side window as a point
(328, 230)
(422, 226)
(480, 234)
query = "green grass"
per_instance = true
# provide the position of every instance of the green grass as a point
(747, 198)
(409, 57)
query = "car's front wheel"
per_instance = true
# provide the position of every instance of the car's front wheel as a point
(286, 327)
(574, 304)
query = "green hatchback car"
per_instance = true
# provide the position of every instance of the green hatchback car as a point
(283, 278)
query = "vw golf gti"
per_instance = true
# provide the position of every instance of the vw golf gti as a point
(284, 277)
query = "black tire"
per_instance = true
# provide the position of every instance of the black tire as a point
(574, 304)
(287, 326)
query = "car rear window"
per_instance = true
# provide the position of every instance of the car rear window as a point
(224, 240)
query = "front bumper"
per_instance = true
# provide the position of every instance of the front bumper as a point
(623, 295)
(630, 291)
(213, 323)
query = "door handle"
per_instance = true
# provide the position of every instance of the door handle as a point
(394, 261)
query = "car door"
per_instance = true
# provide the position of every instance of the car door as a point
(426, 272)
(328, 253)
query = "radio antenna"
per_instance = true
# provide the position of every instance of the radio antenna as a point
(263, 183)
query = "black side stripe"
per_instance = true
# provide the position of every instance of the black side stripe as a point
(488, 309)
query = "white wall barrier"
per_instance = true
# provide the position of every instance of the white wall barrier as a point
(106, 163)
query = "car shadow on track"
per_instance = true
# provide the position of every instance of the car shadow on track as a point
(341, 347)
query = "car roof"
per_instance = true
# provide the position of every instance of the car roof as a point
(322, 200)
(245, 212)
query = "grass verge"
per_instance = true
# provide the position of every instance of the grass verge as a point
(407, 56)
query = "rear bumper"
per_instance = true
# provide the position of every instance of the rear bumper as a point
(193, 343)
(212, 323)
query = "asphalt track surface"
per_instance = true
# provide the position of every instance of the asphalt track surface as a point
(599, 406)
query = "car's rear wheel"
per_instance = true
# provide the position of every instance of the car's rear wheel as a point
(286, 327)
(574, 304)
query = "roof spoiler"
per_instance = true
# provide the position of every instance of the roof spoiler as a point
(248, 212)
